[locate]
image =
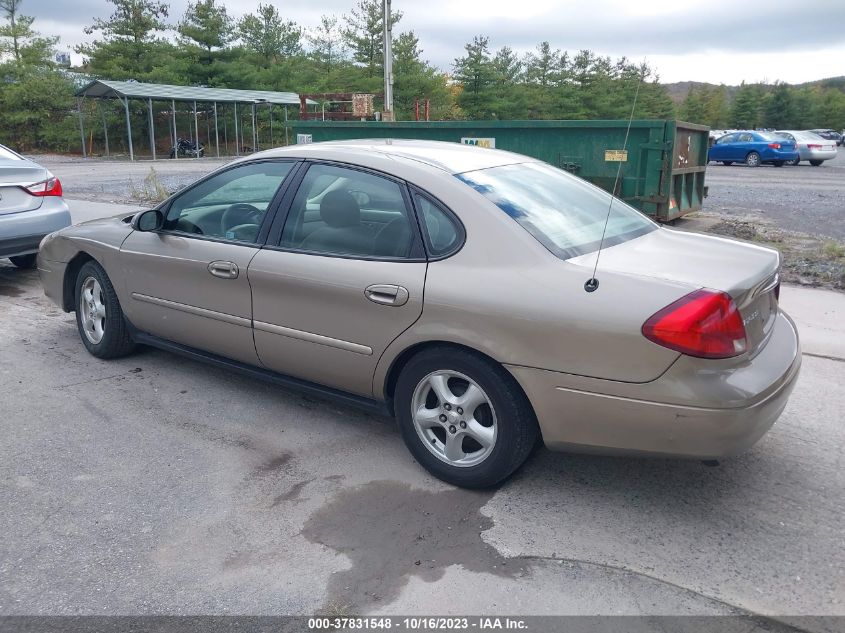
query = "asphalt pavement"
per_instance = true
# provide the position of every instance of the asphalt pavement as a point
(798, 198)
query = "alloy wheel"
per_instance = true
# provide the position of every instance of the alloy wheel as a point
(92, 310)
(454, 418)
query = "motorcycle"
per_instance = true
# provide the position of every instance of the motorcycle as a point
(186, 147)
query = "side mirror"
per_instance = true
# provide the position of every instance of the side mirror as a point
(151, 220)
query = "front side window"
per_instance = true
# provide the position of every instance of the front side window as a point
(341, 211)
(728, 138)
(563, 212)
(230, 205)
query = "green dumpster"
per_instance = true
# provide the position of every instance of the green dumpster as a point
(662, 166)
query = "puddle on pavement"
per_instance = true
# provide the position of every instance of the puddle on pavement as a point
(391, 531)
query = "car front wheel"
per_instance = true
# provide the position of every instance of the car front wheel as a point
(753, 159)
(816, 163)
(463, 417)
(100, 321)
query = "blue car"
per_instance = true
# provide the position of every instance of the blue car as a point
(753, 149)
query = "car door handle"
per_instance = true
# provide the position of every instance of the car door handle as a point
(387, 294)
(224, 270)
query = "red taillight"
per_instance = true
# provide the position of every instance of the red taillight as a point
(705, 324)
(813, 146)
(774, 145)
(49, 187)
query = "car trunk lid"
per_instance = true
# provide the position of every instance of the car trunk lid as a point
(14, 175)
(747, 272)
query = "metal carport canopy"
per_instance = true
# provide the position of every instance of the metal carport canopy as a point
(126, 90)
(135, 90)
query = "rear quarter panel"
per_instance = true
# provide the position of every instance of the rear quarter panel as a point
(506, 296)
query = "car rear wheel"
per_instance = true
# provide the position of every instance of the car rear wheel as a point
(816, 163)
(100, 321)
(793, 162)
(727, 162)
(753, 159)
(24, 261)
(463, 417)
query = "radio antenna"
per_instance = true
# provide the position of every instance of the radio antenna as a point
(592, 284)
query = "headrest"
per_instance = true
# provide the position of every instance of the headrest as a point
(339, 209)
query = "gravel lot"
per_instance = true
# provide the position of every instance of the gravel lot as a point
(802, 198)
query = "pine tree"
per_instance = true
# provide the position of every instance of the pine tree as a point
(364, 34)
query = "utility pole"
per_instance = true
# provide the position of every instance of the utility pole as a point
(387, 115)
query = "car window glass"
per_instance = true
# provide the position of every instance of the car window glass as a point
(441, 232)
(745, 138)
(230, 205)
(342, 211)
(730, 138)
(566, 214)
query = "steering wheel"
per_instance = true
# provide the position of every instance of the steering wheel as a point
(237, 214)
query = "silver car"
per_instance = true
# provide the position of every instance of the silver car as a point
(31, 207)
(452, 287)
(811, 146)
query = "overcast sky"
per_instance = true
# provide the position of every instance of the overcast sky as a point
(720, 41)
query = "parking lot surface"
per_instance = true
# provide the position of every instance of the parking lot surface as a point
(799, 198)
(154, 484)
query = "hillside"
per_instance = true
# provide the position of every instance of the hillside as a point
(679, 89)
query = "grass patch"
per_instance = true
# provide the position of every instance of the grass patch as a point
(833, 250)
(150, 190)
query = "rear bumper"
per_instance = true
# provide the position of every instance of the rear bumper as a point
(774, 155)
(817, 154)
(21, 233)
(20, 245)
(616, 421)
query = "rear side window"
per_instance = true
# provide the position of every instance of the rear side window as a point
(442, 234)
(563, 212)
(347, 212)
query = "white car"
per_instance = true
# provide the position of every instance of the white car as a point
(811, 147)
(31, 207)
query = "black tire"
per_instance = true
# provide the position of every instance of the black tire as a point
(172, 154)
(727, 163)
(24, 261)
(778, 163)
(793, 162)
(517, 430)
(816, 163)
(753, 159)
(115, 341)
(202, 153)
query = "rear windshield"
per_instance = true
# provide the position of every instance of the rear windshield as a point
(564, 213)
(8, 154)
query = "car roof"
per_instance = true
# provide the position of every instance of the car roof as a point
(454, 158)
